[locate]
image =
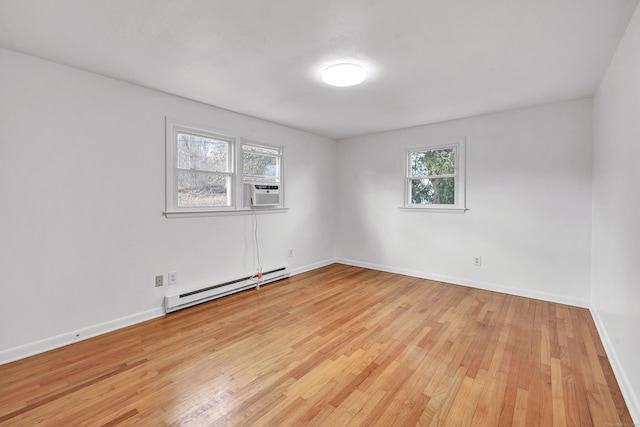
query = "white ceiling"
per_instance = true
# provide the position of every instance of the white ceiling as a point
(428, 60)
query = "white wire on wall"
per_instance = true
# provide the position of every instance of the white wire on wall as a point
(257, 247)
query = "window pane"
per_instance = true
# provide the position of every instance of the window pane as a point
(202, 189)
(433, 162)
(260, 165)
(436, 191)
(201, 153)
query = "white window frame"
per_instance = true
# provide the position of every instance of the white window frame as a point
(459, 206)
(236, 190)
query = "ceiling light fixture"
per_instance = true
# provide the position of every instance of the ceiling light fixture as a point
(343, 75)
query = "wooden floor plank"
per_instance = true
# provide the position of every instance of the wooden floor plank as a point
(336, 346)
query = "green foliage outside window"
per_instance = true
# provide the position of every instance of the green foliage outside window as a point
(432, 182)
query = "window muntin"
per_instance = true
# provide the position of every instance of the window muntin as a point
(435, 176)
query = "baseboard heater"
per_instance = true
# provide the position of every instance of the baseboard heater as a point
(198, 296)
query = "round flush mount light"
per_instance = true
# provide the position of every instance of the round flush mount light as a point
(343, 75)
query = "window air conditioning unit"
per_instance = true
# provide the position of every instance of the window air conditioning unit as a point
(264, 194)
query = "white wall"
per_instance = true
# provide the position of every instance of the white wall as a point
(81, 198)
(616, 205)
(528, 195)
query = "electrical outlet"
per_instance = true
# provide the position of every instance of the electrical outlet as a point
(290, 252)
(159, 280)
(477, 260)
(173, 277)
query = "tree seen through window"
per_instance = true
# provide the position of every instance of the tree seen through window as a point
(433, 177)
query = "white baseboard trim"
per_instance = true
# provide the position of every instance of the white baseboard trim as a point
(560, 299)
(61, 340)
(71, 337)
(628, 393)
(315, 265)
(23, 351)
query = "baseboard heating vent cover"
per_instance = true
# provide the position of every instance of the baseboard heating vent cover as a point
(207, 293)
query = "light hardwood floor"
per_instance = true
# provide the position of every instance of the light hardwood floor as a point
(336, 346)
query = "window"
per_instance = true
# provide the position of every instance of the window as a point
(435, 176)
(204, 170)
(262, 175)
(199, 169)
(201, 173)
(260, 163)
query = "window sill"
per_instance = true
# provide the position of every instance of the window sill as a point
(243, 211)
(438, 210)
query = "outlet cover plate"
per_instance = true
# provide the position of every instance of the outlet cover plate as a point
(173, 277)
